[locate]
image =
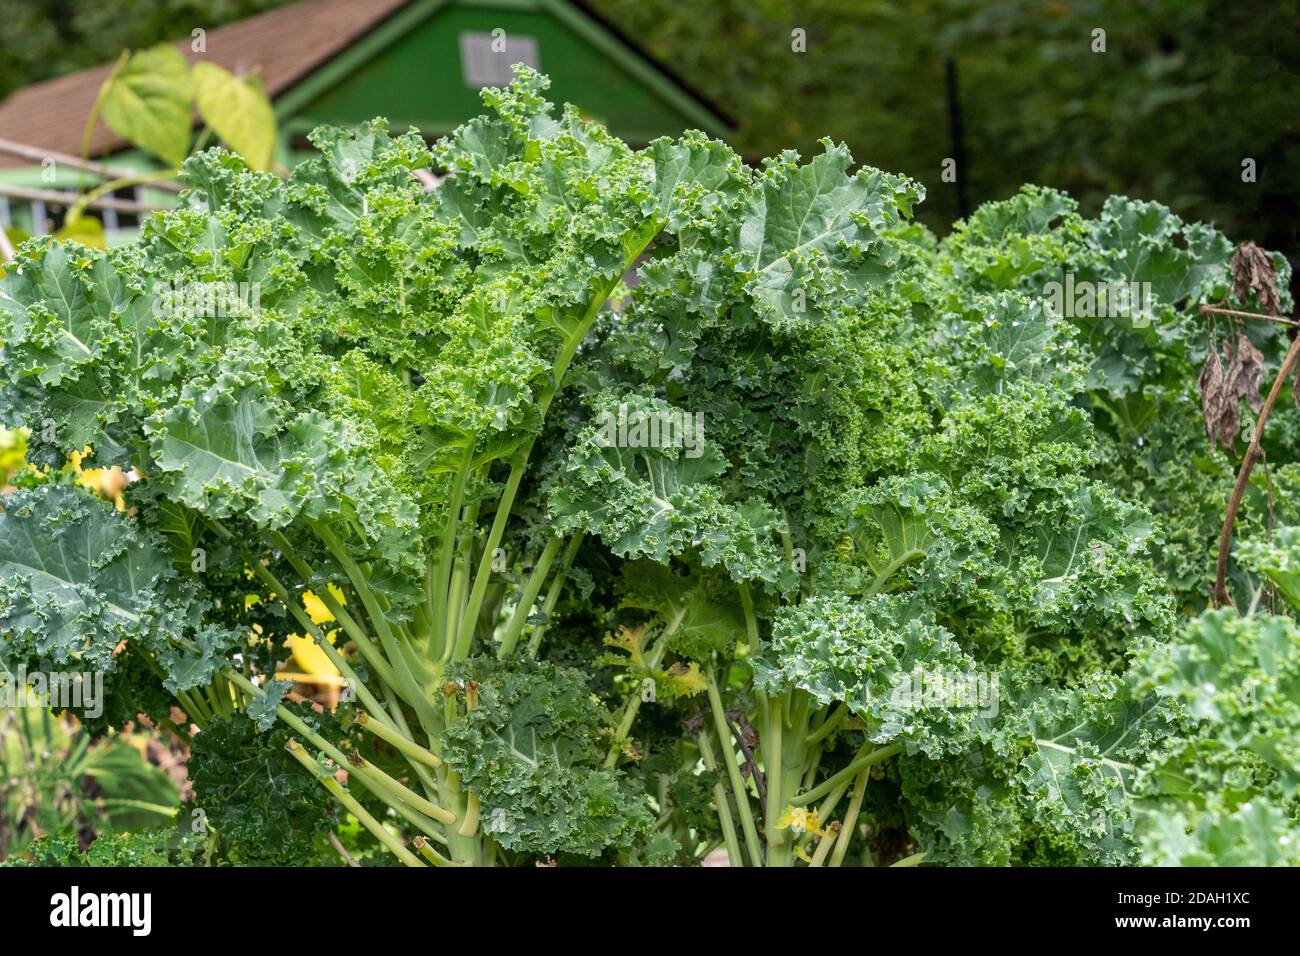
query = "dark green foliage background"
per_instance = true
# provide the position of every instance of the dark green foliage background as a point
(1185, 90)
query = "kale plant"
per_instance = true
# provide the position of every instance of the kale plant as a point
(647, 505)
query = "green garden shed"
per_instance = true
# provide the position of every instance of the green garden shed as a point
(420, 63)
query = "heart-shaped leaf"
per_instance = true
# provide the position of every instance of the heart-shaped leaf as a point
(148, 101)
(238, 111)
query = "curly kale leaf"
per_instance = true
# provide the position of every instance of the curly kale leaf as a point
(1257, 834)
(78, 578)
(533, 750)
(1087, 747)
(64, 308)
(910, 528)
(264, 809)
(1278, 560)
(812, 237)
(700, 611)
(1225, 790)
(1241, 678)
(1145, 242)
(647, 495)
(964, 810)
(1016, 243)
(893, 667)
(152, 848)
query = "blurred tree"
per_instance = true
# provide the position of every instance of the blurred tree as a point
(46, 38)
(1184, 92)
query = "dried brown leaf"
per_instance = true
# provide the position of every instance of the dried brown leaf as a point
(1247, 372)
(1222, 391)
(1211, 385)
(1227, 422)
(1252, 270)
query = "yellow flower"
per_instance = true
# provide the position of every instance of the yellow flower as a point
(800, 820)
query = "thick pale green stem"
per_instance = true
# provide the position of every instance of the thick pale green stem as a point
(374, 657)
(196, 695)
(721, 801)
(553, 595)
(357, 765)
(829, 725)
(518, 465)
(883, 577)
(191, 709)
(411, 659)
(824, 846)
(851, 818)
(751, 621)
(779, 843)
(458, 585)
(321, 640)
(811, 766)
(360, 584)
(381, 833)
(369, 773)
(862, 761)
(430, 854)
(733, 772)
(208, 696)
(469, 826)
(633, 704)
(832, 801)
(427, 779)
(389, 734)
(786, 763)
(446, 555)
(519, 617)
(416, 819)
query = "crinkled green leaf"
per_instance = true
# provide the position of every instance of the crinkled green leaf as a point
(879, 655)
(532, 751)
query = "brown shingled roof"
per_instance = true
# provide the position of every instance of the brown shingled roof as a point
(286, 44)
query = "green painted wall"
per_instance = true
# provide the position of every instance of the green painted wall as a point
(418, 80)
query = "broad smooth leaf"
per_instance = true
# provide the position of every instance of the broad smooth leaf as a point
(238, 110)
(87, 230)
(148, 101)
